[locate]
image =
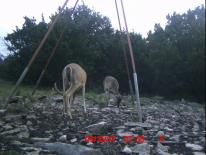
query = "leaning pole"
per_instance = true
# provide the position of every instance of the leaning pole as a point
(139, 110)
(13, 91)
(125, 54)
(51, 55)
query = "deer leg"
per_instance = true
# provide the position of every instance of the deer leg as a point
(72, 98)
(70, 92)
(107, 96)
(65, 97)
(83, 96)
(70, 114)
(66, 102)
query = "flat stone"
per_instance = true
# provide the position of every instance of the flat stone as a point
(33, 153)
(73, 140)
(120, 127)
(29, 148)
(195, 133)
(31, 116)
(198, 153)
(63, 138)
(106, 109)
(28, 123)
(96, 112)
(10, 132)
(39, 139)
(99, 128)
(15, 99)
(161, 152)
(64, 149)
(42, 97)
(176, 138)
(111, 109)
(202, 139)
(90, 144)
(194, 147)
(127, 111)
(7, 127)
(162, 148)
(24, 132)
(17, 108)
(23, 135)
(1, 123)
(122, 133)
(17, 143)
(195, 127)
(58, 99)
(127, 150)
(133, 129)
(160, 133)
(168, 129)
(2, 112)
(93, 109)
(133, 124)
(13, 118)
(153, 122)
(142, 148)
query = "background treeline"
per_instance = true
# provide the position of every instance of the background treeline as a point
(170, 61)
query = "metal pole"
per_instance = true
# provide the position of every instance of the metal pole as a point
(125, 55)
(52, 54)
(13, 91)
(133, 67)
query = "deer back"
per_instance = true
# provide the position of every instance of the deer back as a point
(76, 75)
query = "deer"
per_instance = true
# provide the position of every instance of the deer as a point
(111, 86)
(74, 78)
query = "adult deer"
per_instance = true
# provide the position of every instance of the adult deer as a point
(111, 86)
(74, 78)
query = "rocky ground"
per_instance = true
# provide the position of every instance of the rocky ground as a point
(170, 127)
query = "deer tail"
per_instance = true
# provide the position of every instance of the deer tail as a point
(57, 90)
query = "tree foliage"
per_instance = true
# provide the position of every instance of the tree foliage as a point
(170, 61)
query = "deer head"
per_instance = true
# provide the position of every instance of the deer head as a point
(111, 86)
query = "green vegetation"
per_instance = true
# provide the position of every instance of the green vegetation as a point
(10, 152)
(23, 90)
(170, 61)
(96, 97)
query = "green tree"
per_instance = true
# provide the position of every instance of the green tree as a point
(187, 34)
(170, 61)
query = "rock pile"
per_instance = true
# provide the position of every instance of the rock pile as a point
(168, 128)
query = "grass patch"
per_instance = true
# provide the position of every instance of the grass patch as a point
(23, 90)
(10, 152)
(96, 97)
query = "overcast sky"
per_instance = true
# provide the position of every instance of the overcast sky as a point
(141, 14)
